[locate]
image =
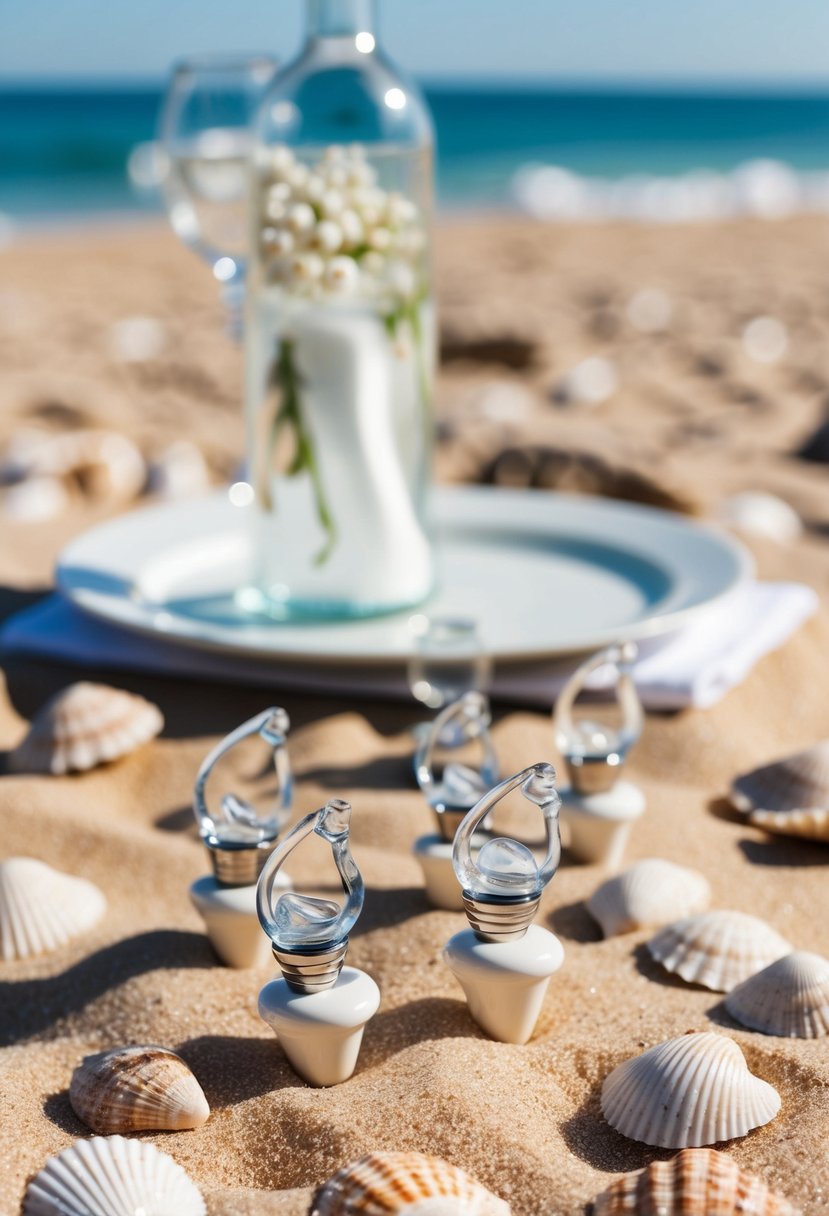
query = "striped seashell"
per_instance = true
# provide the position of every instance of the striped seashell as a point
(112, 1176)
(687, 1092)
(795, 783)
(790, 998)
(381, 1184)
(42, 909)
(83, 726)
(812, 824)
(717, 949)
(137, 1089)
(697, 1182)
(649, 893)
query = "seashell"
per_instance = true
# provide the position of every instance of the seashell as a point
(42, 909)
(35, 500)
(105, 463)
(137, 1089)
(789, 998)
(795, 783)
(813, 825)
(763, 515)
(687, 1092)
(112, 1176)
(381, 1184)
(180, 471)
(697, 1182)
(717, 949)
(83, 726)
(649, 893)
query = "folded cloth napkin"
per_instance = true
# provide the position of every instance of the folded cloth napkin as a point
(695, 666)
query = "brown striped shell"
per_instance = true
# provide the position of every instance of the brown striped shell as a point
(381, 1184)
(790, 998)
(83, 726)
(795, 783)
(137, 1089)
(697, 1182)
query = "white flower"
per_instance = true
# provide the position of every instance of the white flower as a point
(301, 218)
(281, 160)
(361, 175)
(401, 278)
(327, 237)
(352, 227)
(307, 268)
(277, 241)
(400, 210)
(314, 188)
(332, 203)
(275, 210)
(373, 263)
(298, 176)
(380, 239)
(281, 191)
(342, 274)
(337, 176)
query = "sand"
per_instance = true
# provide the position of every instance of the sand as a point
(694, 419)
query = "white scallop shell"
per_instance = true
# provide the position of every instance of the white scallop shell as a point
(112, 1176)
(137, 1089)
(687, 1092)
(83, 726)
(795, 783)
(648, 894)
(759, 514)
(697, 1182)
(789, 998)
(382, 1184)
(811, 824)
(717, 949)
(42, 909)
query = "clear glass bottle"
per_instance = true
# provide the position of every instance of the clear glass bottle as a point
(340, 329)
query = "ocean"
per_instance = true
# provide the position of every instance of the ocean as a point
(556, 153)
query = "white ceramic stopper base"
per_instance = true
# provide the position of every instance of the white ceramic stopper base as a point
(321, 1032)
(435, 857)
(598, 825)
(229, 914)
(505, 982)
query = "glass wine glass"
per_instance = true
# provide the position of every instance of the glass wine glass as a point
(206, 137)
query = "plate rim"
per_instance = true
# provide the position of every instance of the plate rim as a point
(96, 603)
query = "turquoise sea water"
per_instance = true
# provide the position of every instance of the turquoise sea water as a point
(64, 151)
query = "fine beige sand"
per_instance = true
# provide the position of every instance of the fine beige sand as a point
(693, 420)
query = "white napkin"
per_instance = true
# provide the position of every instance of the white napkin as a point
(694, 667)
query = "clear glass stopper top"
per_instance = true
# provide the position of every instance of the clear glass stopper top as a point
(458, 786)
(449, 659)
(237, 823)
(506, 869)
(595, 752)
(306, 922)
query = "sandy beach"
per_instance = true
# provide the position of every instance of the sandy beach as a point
(691, 418)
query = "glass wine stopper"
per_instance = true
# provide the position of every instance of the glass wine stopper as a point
(459, 786)
(448, 660)
(237, 839)
(599, 807)
(309, 934)
(503, 961)
(319, 1008)
(502, 887)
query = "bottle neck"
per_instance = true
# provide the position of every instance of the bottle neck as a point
(340, 18)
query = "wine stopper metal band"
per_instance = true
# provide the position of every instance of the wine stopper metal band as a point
(237, 840)
(450, 798)
(309, 934)
(595, 754)
(502, 888)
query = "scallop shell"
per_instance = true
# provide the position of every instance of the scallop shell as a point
(83, 726)
(112, 1176)
(790, 998)
(649, 893)
(381, 1184)
(813, 824)
(687, 1092)
(756, 513)
(795, 783)
(42, 909)
(697, 1182)
(717, 949)
(137, 1089)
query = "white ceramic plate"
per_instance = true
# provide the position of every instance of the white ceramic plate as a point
(544, 575)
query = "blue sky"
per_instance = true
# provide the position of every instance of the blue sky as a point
(769, 41)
